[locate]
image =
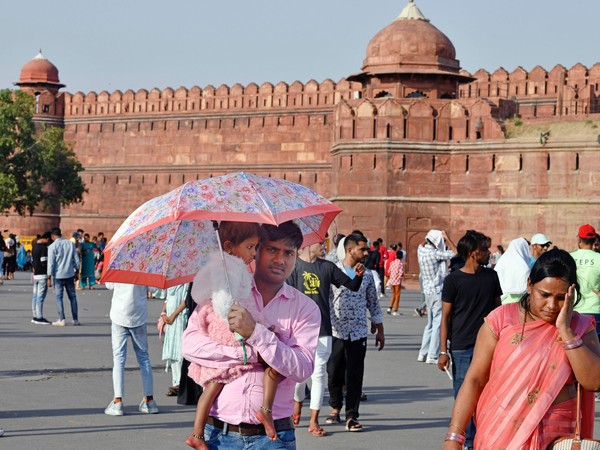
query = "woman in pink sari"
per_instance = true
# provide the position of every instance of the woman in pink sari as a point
(528, 358)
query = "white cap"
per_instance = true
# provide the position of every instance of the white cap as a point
(540, 239)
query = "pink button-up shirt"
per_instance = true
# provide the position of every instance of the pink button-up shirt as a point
(290, 350)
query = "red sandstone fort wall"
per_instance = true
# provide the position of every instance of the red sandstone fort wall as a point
(397, 167)
(541, 93)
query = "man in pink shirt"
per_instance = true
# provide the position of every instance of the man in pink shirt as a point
(289, 349)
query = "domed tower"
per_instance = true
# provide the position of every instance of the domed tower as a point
(410, 58)
(39, 77)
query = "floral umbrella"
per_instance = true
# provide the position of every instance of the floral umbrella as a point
(165, 241)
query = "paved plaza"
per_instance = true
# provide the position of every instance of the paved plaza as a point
(56, 381)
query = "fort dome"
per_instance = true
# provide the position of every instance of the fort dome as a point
(39, 70)
(411, 44)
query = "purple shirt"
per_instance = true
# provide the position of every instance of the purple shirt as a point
(290, 350)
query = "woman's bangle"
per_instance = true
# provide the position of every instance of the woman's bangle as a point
(573, 343)
(443, 353)
(458, 428)
(460, 438)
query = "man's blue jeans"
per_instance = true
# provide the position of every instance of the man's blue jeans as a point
(139, 339)
(430, 345)
(461, 360)
(217, 439)
(69, 285)
(40, 288)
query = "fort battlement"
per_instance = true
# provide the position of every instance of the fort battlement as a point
(540, 93)
(236, 98)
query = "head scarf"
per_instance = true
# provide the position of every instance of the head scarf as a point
(513, 267)
(341, 249)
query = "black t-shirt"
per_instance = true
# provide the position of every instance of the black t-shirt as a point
(315, 279)
(372, 262)
(39, 256)
(472, 297)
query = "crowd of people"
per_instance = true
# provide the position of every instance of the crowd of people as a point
(518, 334)
(517, 330)
(65, 264)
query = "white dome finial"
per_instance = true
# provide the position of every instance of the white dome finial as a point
(411, 12)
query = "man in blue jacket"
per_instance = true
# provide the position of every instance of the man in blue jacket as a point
(63, 264)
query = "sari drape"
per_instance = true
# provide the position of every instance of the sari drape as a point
(529, 368)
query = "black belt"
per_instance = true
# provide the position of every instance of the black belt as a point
(250, 429)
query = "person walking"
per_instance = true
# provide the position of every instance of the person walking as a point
(468, 295)
(290, 349)
(529, 359)
(40, 278)
(128, 314)
(87, 277)
(63, 265)
(174, 317)
(588, 273)
(433, 258)
(349, 328)
(314, 276)
(513, 270)
(396, 271)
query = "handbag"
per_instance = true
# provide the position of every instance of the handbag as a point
(575, 442)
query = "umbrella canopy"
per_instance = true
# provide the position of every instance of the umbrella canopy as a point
(166, 240)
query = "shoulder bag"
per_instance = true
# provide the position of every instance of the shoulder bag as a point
(575, 442)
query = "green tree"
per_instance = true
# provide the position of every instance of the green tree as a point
(37, 168)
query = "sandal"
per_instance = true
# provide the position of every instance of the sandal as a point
(333, 417)
(353, 425)
(173, 391)
(317, 431)
(296, 419)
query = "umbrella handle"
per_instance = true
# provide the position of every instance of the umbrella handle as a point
(240, 338)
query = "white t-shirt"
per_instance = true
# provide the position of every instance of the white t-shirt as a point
(129, 306)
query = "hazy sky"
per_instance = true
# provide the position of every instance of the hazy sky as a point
(132, 44)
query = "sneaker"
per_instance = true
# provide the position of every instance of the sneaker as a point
(114, 409)
(41, 321)
(148, 407)
(431, 361)
(421, 358)
(389, 310)
(76, 323)
(59, 323)
(396, 313)
(1, 432)
(419, 312)
(381, 295)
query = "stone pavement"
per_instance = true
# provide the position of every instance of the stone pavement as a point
(55, 383)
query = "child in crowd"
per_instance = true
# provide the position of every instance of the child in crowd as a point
(395, 281)
(239, 241)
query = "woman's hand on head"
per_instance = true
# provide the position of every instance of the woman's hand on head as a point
(563, 320)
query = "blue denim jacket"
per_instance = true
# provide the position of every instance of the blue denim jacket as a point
(63, 259)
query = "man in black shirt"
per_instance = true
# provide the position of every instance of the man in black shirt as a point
(313, 276)
(469, 294)
(39, 257)
(372, 263)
